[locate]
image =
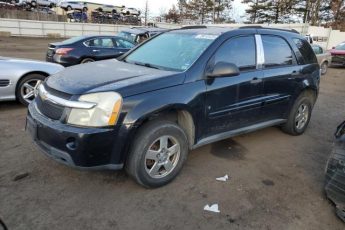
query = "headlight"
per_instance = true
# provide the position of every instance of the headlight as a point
(105, 113)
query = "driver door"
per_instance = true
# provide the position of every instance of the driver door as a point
(234, 102)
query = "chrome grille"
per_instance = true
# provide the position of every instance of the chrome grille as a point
(48, 108)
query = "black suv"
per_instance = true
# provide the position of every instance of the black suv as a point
(175, 92)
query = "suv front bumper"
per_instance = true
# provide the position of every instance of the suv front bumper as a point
(83, 148)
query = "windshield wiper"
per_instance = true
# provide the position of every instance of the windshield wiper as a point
(146, 65)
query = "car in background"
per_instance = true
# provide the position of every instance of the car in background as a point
(130, 11)
(19, 78)
(74, 5)
(139, 34)
(84, 49)
(323, 57)
(335, 172)
(110, 9)
(46, 3)
(338, 54)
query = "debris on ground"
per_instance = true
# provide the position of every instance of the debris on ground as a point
(212, 208)
(20, 176)
(268, 182)
(224, 178)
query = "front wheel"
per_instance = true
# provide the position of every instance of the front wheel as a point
(300, 115)
(27, 87)
(158, 154)
(324, 68)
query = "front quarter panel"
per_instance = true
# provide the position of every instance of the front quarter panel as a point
(188, 97)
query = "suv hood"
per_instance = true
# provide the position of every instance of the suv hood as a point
(112, 75)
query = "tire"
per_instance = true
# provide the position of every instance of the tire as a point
(163, 164)
(300, 114)
(27, 87)
(87, 60)
(324, 68)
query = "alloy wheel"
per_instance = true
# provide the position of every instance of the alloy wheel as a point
(29, 88)
(302, 116)
(162, 157)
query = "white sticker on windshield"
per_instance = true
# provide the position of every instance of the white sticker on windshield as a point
(206, 36)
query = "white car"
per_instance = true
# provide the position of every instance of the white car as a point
(74, 5)
(19, 78)
(130, 11)
(46, 3)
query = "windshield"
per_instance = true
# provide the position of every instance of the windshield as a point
(128, 36)
(171, 51)
(340, 46)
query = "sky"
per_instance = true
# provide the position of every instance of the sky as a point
(159, 6)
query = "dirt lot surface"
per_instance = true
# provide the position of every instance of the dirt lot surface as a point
(276, 179)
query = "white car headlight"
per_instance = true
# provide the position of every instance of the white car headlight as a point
(105, 113)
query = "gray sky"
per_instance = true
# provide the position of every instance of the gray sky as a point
(157, 6)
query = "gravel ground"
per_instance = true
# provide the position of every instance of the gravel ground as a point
(276, 179)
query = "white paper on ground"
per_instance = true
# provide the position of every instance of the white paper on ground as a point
(212, 208)
(224, 178)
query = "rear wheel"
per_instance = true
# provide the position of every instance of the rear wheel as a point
(87, 60)
(324, 68)
(27, 88)
(158, 154)
(300, 115)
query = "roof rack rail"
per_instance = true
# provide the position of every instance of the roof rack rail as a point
(269, 28)
(193, 27)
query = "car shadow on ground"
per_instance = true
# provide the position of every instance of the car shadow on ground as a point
(8, 105)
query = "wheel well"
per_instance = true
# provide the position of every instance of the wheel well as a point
(27, 74)
(310, 92)
(181, 117)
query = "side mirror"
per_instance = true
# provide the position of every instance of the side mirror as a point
(224, 69)
(333, 47)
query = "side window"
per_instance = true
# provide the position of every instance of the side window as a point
(100, 42)
(306, 50)
(123, 44)
(277, 52)
(240, 51)
(107, 43)
(317, 49)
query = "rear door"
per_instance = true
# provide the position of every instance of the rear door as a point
(234, 102)
(101, 48)
(281, 73)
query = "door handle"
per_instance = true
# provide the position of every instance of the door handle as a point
(95, 50)
(256, 80)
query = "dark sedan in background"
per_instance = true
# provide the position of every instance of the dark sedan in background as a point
(79, 50)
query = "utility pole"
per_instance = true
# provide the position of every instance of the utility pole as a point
(214, 11)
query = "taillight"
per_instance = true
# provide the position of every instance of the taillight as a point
(63, 51)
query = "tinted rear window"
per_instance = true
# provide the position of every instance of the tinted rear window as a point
(277, 51)
(306, 50)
